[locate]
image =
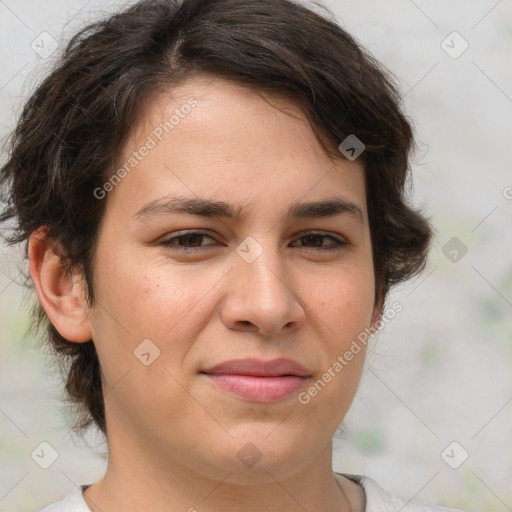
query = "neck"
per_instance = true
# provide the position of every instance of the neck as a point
(136, 477)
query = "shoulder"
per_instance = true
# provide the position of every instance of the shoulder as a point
(379, 500)
(73, 502)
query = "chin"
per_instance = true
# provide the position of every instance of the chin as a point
(259, 450)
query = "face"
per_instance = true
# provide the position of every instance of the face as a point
(182, 287)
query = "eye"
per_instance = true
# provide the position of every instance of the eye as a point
(316, 240)
(190, 237)
(191, 240)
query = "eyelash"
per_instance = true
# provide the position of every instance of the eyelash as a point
(169, 243)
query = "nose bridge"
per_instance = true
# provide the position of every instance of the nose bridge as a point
(261, 292)
(262, 264)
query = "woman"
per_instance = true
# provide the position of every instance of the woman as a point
(212, 197)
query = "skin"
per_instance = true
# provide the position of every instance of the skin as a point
(173, 436)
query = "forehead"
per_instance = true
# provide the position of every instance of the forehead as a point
(228, 113)
(215, 139)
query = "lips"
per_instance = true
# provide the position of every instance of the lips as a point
(257, 380)
(258, 368)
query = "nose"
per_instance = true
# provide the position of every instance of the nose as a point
(261, 296)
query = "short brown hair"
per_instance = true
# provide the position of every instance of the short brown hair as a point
(74, 124)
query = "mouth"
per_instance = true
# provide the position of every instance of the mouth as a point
(257, 380)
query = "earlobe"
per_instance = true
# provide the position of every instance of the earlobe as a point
(58, 289)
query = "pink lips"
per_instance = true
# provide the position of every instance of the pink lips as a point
(257, 380)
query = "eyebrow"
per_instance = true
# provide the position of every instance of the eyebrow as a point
(219, 209)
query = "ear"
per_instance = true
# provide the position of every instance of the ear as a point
(59, 290)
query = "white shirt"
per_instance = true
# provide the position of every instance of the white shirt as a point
(377, 500)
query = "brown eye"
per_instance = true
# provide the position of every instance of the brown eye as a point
(186, 241)
(316, 240)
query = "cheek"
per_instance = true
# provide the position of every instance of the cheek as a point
(344, 311)
(345, 303)
(148, 298)
(352, 310)
(158, 301)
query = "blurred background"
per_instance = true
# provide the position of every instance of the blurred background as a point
(433, 416)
